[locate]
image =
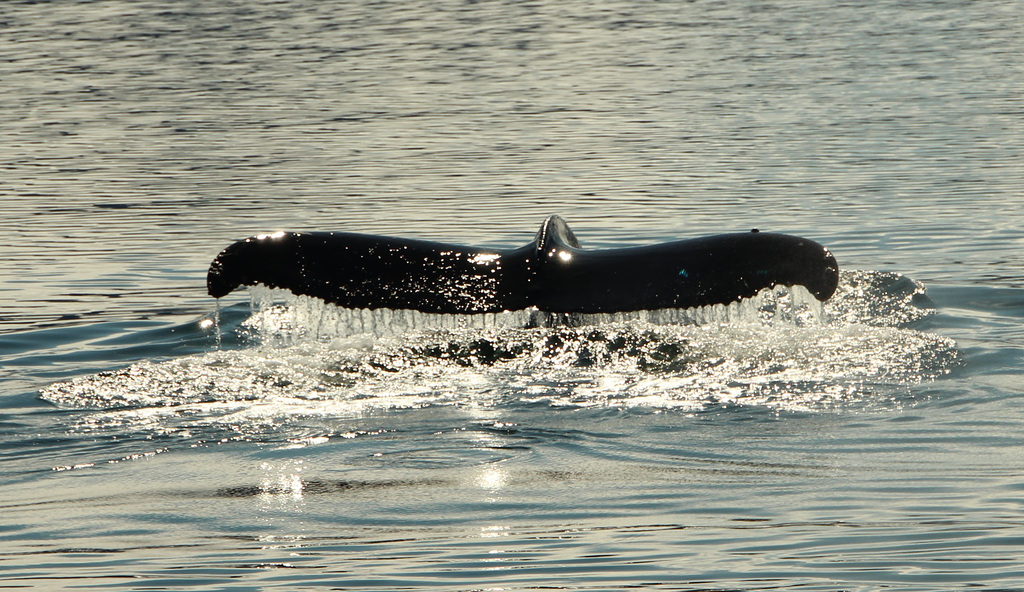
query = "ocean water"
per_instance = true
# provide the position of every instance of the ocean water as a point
(154, 439)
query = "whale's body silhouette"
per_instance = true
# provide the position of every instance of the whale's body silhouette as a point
(552, 273)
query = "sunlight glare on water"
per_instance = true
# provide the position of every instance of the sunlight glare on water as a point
(152, 439)
(781, 350)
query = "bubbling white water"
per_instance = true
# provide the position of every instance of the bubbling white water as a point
(781, 350)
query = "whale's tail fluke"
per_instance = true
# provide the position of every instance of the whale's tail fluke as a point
(552, 273)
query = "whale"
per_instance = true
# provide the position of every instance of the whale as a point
(553, 273)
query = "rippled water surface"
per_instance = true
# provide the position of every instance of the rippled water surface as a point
(151, 439)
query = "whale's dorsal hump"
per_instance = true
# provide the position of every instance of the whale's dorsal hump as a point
(555, 236)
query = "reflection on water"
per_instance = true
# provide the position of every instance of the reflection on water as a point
(781, 350)
(854, 446)
(282, 485)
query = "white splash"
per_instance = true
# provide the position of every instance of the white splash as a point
(781, 350)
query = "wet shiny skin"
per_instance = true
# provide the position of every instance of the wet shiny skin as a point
(553, 273)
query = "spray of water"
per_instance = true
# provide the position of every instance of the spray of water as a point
(781, 350)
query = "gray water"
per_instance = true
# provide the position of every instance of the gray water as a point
(149, 442)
